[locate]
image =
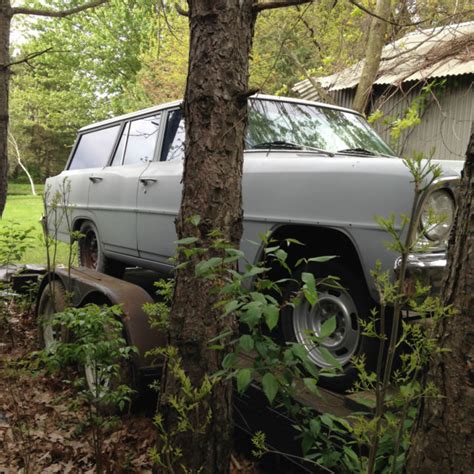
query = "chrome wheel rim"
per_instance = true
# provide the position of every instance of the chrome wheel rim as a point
(51, 334)
(90, 250)
(307, 322)
(97, 379)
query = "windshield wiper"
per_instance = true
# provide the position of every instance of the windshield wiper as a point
(361, 151)
(284, 145)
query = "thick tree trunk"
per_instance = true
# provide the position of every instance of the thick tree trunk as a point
(375, 44)
(5, 21)
(444, 438)
(215, 110)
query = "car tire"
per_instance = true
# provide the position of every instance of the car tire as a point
(126, 376)
(347, 297)
(52, 300)
(91, 253)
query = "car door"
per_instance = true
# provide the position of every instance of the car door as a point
(113, 189)
(69, 191)
(159, 194)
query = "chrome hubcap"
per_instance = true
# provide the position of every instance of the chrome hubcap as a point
(307, 322)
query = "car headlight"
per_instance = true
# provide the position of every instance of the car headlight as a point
(437, 215)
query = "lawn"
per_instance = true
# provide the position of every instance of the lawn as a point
(27, 210)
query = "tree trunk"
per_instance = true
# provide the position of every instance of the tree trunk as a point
(5, 21)
(375, 44)
(215, 110)
(444, 438)
(20, 163)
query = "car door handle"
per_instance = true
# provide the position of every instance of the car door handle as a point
(95, 179)
(147, 181)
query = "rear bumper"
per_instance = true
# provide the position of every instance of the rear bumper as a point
(427, 268)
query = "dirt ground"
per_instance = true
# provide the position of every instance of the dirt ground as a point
(42, 432)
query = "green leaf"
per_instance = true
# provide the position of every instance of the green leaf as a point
(329, 358)
(251, 314)
(306, 443)
(270, 386)
(322, 259)
(328, 327)
(205, 266)
(252, 271)
(229, 360)
(195, 220)
(271, 249)
(246, 343)
(262, 348)
(281, 255)
(310, 384)
(272, 314)
(244, 377)
(235, 252)
(327, 420)
(300, 351)
(231, 306)
(186, 241)
(309, 288)
(315, 426)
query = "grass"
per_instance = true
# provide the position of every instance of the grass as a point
(23, 189)
(27, 210)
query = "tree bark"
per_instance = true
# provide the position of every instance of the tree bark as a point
(444, 437)
(5, 21)
(375, 44)
(215, 111)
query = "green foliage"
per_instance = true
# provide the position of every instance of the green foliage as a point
(97, 344)
(187, 405)
(159, 312)
(88, 73)
(94, 341)
(14, 242)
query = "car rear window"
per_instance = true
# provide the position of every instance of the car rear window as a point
(94, 148)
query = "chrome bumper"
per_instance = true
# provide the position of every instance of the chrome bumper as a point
(427, 268)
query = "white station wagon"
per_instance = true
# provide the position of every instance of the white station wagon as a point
(313, 172)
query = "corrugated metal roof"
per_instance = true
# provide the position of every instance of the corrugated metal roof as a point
(406, 59)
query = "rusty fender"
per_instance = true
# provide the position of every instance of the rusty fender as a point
(88, 286)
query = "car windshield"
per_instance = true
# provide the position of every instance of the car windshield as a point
(288, 125)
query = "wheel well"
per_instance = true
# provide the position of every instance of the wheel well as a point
(77, 224)
(317, 241)
(96, 297)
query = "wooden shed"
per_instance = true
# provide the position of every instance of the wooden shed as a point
(434, 68)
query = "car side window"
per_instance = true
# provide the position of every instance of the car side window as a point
(94, 148)
(173, 143)
(142, 137)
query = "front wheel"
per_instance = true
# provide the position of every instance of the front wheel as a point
(91, 253)
(345, 297)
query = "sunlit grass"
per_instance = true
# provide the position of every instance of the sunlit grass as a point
(27, 211)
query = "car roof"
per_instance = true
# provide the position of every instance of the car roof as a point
(177, 103)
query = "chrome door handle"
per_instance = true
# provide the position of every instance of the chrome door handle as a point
(147, 181)
(95, 179)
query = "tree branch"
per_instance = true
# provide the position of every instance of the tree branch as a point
(56, 13)
(387, 20)
(259, 7)
(28, 57)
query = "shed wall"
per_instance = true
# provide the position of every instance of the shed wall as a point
(446, 123)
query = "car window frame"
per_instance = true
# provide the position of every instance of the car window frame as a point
(78, 139)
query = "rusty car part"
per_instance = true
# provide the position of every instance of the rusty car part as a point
(88, 286)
